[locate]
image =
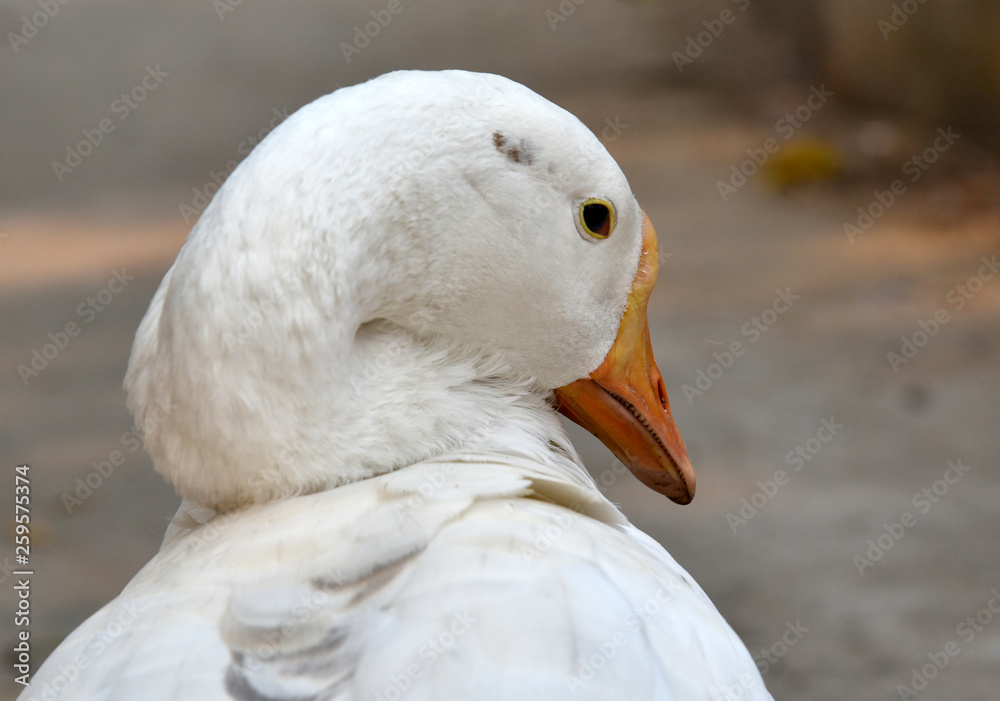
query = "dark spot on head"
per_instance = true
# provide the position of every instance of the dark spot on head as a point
(520, 152)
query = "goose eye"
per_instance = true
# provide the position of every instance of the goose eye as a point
(597, 217)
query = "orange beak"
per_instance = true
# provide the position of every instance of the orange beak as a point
(624, 402)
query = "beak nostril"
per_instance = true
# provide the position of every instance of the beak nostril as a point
(661, 390)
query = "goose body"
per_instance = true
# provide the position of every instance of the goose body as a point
(348, 375)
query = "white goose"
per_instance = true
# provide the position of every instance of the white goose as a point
(348, 374)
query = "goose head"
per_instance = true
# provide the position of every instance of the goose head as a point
(397, 270)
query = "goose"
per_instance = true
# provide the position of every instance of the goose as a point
(351, 375)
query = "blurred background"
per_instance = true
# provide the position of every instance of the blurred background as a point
(823, 176)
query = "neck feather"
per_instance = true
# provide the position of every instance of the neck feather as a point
(305, 416)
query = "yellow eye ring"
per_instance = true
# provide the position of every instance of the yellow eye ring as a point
(597, 217)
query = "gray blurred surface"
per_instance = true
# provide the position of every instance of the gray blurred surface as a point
(792, 563)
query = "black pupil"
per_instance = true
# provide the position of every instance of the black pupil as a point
(595, 216)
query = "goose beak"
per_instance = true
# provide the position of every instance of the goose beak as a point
(624, 402)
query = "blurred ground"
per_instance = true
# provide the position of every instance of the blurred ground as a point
(783, 566)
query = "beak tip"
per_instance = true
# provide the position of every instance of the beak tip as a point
(683, 498)
(679, 489)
